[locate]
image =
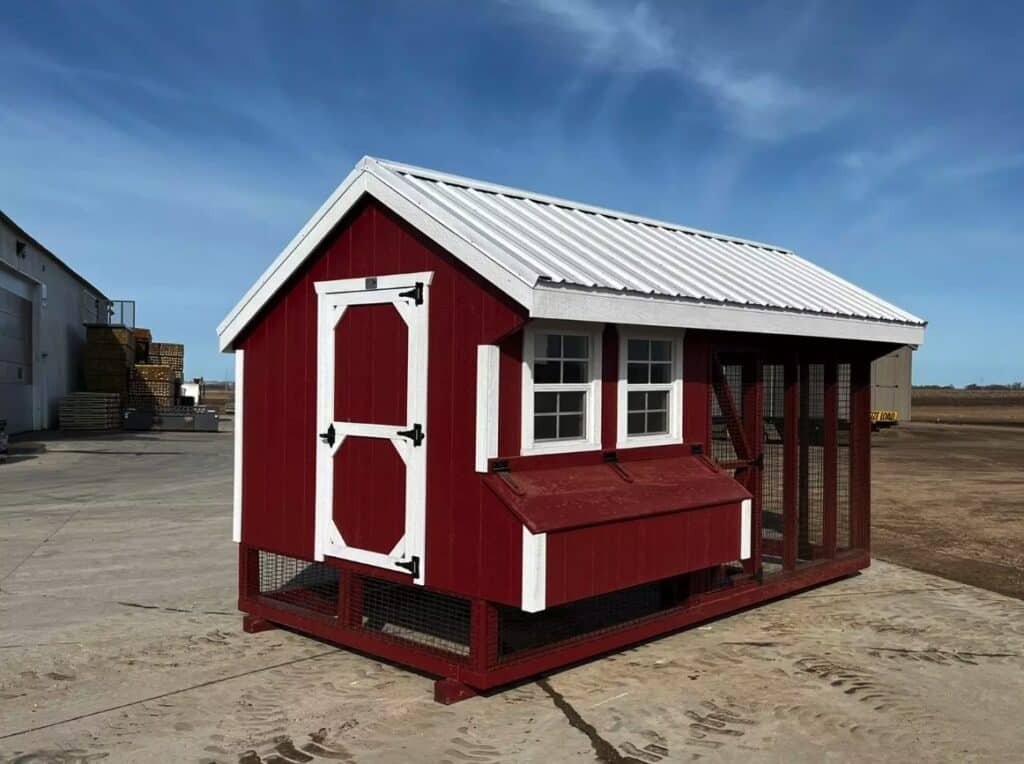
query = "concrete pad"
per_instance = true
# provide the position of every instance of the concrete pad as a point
(119, 641)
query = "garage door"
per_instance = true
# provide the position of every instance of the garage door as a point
(15, 339)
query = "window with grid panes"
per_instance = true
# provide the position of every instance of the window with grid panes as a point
(649, 386)
(561, 384)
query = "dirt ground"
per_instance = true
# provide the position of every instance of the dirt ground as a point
(949, 500)
(119, 641)
(940, 405)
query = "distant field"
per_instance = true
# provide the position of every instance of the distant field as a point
(1005, 407)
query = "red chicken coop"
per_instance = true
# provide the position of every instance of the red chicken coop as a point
(487, 433)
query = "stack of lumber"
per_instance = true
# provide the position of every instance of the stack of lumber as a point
(169, 354)
(90, 411)
(109, 355)
(151, 385)
(143, 339)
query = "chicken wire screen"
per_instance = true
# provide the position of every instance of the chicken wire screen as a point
(309, 586)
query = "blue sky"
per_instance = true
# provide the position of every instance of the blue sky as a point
(168, 151)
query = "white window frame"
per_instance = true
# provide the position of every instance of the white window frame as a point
(674, 388)
(592, 388)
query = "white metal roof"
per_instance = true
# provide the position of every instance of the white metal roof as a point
(562, 259)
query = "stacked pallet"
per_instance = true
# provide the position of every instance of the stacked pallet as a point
(169, 354)
(109, 355)
(151, 385)
(90, 411)
(143, 339)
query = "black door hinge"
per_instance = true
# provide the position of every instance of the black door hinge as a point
(413, 566)
(328, 437)
(415, 434)
(416, 293)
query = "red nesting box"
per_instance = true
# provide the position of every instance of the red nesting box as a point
(488, 433)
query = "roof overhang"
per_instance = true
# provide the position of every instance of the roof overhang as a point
(540, 298)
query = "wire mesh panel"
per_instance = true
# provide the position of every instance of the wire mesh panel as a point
(812, 472)
(843, 468)
(519, 632)
(412, 614)
(722, 448)
(309, 586)
(774, 427)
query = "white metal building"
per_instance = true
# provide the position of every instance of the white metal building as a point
(43, 308)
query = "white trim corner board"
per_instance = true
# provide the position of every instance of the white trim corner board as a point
(533, 597)
(745, 524)
(488, 358)
(236, 499)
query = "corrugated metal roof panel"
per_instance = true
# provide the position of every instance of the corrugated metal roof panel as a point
(540, 238)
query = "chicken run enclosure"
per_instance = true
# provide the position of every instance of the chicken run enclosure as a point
(487, 433)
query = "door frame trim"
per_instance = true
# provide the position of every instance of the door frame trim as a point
(384, 290)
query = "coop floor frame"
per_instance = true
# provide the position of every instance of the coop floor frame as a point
(483, 667)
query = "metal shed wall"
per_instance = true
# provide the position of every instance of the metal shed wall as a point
(891, 383)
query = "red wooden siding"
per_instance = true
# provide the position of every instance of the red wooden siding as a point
(609, 386)
(590, 561)
(369, 494)
(371, 363)
(280, 406)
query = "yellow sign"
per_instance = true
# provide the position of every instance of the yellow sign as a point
(885, 416)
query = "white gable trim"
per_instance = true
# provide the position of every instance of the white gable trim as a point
(369, 177)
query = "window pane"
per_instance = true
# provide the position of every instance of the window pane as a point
(545, 403)
(544, 427)
(656, 422)
(636, 373)
(635, 402)
(661, 372)
(547, 372)
(575, 346)
(574, 372)
(635, 424)
(661, 350)
(571, 402)
(657, 401)
(548, 346)
(570, 426)
(638, 350)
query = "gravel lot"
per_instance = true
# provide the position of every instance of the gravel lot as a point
(119, 642)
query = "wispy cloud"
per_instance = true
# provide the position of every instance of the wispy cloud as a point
(757, 102)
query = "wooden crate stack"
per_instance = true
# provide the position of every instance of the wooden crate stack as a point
(151, 385)
(109, 356)
(90, 411)
(169, 354)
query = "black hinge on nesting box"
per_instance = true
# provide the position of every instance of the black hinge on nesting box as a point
(416, 293)
(413, 566)
(415, 434)
(499, 465)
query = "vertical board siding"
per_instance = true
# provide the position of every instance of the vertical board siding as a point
(696, 394)
(280, 439)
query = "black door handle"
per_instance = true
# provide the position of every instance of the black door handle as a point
(328, 437)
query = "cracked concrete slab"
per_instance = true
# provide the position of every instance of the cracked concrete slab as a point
(119, 642)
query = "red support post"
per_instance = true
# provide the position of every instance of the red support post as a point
(754, 430)
(790, 464)
(860, 454)
(830, 458)
(483, 639)
(803, 429)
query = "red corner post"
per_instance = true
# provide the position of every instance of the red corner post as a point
(790, 463)
(830, 458)
(860, 454)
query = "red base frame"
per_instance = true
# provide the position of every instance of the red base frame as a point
(463, 677)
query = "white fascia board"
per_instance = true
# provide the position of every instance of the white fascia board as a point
(398, 195)
(564, 303)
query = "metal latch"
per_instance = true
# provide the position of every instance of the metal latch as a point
(415, 434)
(412, 565)
(415, 294)
(328, 437)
